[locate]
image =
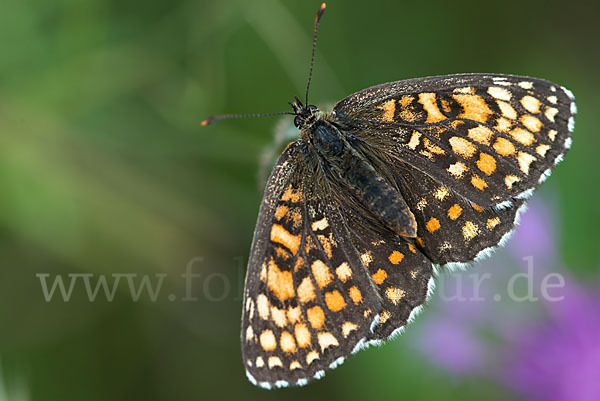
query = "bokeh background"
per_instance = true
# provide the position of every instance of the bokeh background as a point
(105, 169)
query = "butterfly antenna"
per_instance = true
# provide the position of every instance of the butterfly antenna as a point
(314, 46)
(228, 116)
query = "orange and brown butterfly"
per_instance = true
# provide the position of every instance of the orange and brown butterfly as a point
(396, 181)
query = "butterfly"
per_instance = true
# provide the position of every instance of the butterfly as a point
(397, 181)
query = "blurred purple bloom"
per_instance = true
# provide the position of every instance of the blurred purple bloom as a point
(546, 351)
(560, 359)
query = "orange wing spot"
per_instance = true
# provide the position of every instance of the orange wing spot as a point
(281, 253)
(287, 343)
(267, 340)
(455, 124)
(432, 225)
(457, 169)
(299, 264)
(531, 104)
(379, 277)
(315, 316)
(355, 295)
(446, 106)
(326, 340)
(406, 100)
(280, 282)
(347, 328)
(327, 243)
(278, 316)
(394, 294)
(306, 290)
(420, 242)
(388, 108)
(455, 211)
(428, 101)
(263, 272)
(302, 335)
(474, 107)
(525, 160)
(486, 163)
(321, 273)
(507, 110)
(296, 218)
(523, 136)
(504, 147)
(335, 301)
(481, 134)
(384, 316)
(441, 193)
(509, 180)
(470, 230)
(478, 182)
(431, 147)
(294, 315)
(531, 123)
(283, 237)
(476, 207)
(311, 356)
(462, 147)
(281, 211)
(396, 257)
(493, 222)
(309, 244)
(412, 248)
(343, 272)
(503, 125)
(291, 195)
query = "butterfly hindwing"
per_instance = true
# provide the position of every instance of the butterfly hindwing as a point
(488, 138)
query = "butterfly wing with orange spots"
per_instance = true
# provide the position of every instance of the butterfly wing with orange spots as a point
(308, 302)
(490, 139)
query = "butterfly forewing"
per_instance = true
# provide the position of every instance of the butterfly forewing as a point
(489, 138)
(308, 300)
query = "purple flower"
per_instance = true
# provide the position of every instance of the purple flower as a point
(560, 359)
(545, 350)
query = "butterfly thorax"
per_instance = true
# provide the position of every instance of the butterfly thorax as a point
(344, 164)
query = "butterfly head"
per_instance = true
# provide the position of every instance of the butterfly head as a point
(306, 115)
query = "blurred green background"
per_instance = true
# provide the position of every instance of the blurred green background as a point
(105, 169)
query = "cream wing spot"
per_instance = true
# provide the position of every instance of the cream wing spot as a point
(311, 357)
(347, 328)
(499, 93)
(343, 272)
(531, 104)
(326, 340)
(525, 159)
(470, 230)
(321, 273)
(262, 305)
(274, 361)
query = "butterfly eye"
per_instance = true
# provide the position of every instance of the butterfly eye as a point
(312, 108)
(298, 121)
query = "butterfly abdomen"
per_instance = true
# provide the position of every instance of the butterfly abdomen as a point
(349, 166)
